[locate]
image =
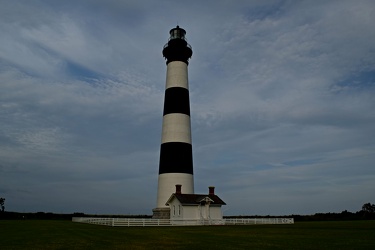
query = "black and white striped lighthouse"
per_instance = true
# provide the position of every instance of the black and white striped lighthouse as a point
(176, 158)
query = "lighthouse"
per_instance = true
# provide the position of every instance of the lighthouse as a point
(176, 158)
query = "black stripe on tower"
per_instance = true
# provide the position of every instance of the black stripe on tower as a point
(176, 157)
(176, 101)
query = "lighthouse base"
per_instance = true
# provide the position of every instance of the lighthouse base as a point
(161, 213)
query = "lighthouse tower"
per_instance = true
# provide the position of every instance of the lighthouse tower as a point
(176, 158)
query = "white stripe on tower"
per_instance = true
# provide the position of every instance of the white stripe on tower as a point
(176, 159)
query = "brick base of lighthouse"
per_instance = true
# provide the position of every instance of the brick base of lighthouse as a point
(161, 213)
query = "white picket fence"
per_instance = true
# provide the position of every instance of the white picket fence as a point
(136, 222)
(259, 221)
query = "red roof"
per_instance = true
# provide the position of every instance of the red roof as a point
(196, 199)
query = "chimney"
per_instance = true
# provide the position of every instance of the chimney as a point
(178, 188)
(211, 190)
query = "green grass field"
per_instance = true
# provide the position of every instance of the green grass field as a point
(44, 234)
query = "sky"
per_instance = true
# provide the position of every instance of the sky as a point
(282, 97)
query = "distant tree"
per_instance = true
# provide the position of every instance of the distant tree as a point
(2, 201)
(368, 208)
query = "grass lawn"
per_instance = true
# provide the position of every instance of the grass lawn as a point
(44, 234)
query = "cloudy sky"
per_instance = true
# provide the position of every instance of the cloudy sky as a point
(282, 103)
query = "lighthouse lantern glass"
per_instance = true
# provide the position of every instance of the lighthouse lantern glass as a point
(177, 34)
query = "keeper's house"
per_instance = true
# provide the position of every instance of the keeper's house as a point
(185, 207)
